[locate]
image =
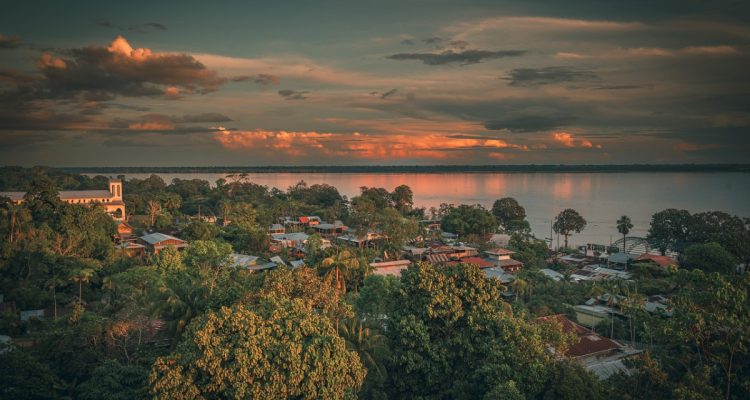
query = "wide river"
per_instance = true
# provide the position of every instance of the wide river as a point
(600, 197)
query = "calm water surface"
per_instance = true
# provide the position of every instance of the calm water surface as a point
(600, 197)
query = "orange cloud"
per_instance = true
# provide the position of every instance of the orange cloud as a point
(568, 140)
(47, 60)
(358, 145)
(689, 147)
(172, 92)
(151, 126)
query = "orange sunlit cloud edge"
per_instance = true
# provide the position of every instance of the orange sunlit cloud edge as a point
(366, 146)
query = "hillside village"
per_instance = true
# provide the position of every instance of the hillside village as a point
(604, 302)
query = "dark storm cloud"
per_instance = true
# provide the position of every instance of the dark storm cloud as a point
(15, 77)
(160, 122)
(433, 40)
(9, 42)
(19, 117)
(23, 140)
(388, 93)
(622, 87)
(289, 94)
(462, 57)
(461, 44)
(106, 23)
(156, 25)
(531, 123)
(75, 85)
(548, 76)
(407, 42)
(140, 28)
(117, 71)
(260, 79)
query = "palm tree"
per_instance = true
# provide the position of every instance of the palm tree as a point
(339, 265)
(52, 283)
(367, 342)
(13, 210)
(80, 276)
(180, 300)
(225, 207)
(624, 226)
(154, 208)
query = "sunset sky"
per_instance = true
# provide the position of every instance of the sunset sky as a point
(389, 82)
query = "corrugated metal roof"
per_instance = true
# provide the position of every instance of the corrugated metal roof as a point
(438, 258)
(157, 237)
(243, 260)
(293, 236)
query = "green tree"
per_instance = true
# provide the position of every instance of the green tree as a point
(81, 276)
(402, 198)
(377, 297)
(398, 230)
(372, 350)
(23, 377)
(200, 230)
(305, 284)
(731, 232)
(169, 260)
(452, 336)
(154, 209)
(708, 332)
(509, 214)
(569, 381)
(467, 220)
(339, 266)
(280, 349)
(709, 257)
(171, 201)
(624, 225)
(567, 222)
(42, 199)
(210, 260)
(114, 381)
(670, 229)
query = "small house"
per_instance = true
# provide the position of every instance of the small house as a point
(276, 229)
(597, 354)
(156, 242)
(394, 268)
(290, 240)
(330, 230)
(502, 258)
(620, 260)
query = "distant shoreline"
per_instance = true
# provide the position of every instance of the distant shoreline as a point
(419, 169)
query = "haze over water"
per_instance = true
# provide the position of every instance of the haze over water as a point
(600, 197)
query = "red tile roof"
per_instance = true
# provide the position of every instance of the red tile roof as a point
(663, 261)
(589, 343)
(509, 263)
